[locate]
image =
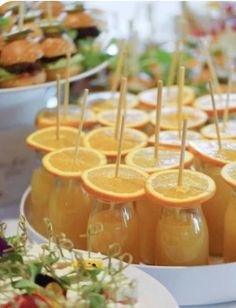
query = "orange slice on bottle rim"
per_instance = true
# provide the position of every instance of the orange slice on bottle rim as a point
(228, 173)
(48, 116)
(45, 139)
(103, 139)
(196, 188)
(101, 101)
(148, 98)
(169, 117)
(134, 118)
(171, 139)
(204, 103)
(101, 183)
(64, 164)
(168, 159)
(209, 152)
(229, 132)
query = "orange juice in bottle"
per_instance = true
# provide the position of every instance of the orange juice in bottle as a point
(44, 141)
(229, 175)
(69, 205)
(181, 234)
(114, 207)
(149, 210)
(212, 159)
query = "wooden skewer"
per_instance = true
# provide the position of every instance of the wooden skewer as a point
(182, 154)
(119, 67)
(210, 65)
(181, 77)
(49, 12)
(215, 115)
(21, 15)
(158, 119)
(229, 89)
(80, 129)
(67, 84)
(121, 105)
(173, 66)
(58, 107)
(118, 159)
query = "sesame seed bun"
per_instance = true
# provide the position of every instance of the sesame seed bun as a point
(78, 20)
(57, 46)
(57, 7)
(23, 80)
(20, 51)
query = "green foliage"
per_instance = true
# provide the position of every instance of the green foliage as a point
(92, 54)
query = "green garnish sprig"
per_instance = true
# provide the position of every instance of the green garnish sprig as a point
(22, 231)
(92, 230)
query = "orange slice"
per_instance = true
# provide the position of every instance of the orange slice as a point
(134, 118)
(148, 98)
(209, 131)
(196, 188)
(168, 159)
(208, 151)
(204, 103)
(102, 183)
(169, 118)
(45, 139)
(102, 139)
(228, 173)
(63, 163)
(47, 117)
(101, 101)
(170, 138)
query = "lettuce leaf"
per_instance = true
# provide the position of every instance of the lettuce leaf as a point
(5, 75)
(61, 63)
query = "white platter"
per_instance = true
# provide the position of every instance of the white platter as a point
(195, 285)
(151, 293)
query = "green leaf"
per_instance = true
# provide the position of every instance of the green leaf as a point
(34, 269)
(26, 284)
(4, 74)
(96, 300)
(76, 59)
(72, 33)
(12, 256)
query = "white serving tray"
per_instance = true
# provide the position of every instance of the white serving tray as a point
(195, 285)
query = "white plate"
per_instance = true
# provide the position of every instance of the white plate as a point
(151, 293)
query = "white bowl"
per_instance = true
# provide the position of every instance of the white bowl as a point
(194, 285)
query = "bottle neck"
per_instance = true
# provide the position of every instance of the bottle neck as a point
(182, 213)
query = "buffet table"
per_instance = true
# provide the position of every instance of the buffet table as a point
(9, 209)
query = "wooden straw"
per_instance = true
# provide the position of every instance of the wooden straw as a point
(118, 159)
(158, 119)
(67, 84)
(215, 115)
(49, 12)
(182, 154)
(58, 107)
(229, 89)
(173, 66)
(116, 75)
(80, 129)
(121, 105)
(210, 65)
(21, 15)
(181, 77)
